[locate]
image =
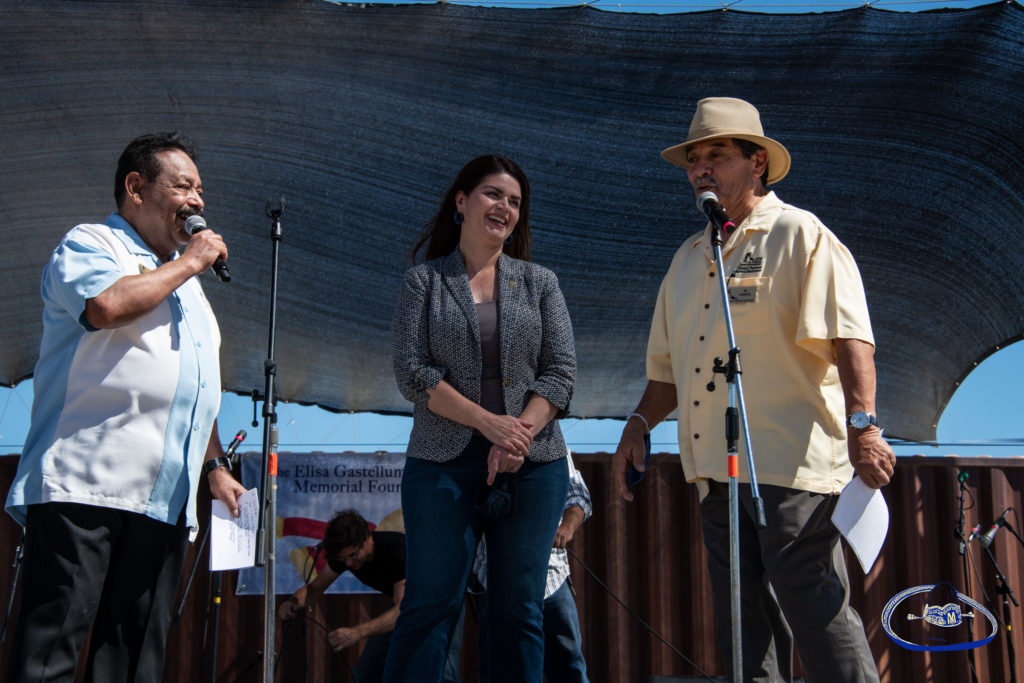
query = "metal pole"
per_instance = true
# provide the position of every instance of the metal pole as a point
(266, 535)
(735, 421)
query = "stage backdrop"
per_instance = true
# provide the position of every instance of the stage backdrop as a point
(905, 131)
(651, 556)
(311, 488)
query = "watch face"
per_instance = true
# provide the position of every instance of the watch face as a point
(860, 420)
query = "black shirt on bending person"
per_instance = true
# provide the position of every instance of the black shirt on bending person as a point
(387, 566)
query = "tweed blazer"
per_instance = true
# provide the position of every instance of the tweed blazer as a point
(435, 335)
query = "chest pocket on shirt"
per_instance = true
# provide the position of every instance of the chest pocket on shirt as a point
(749, 301)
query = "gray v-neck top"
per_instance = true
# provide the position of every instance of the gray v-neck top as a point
(491, 396)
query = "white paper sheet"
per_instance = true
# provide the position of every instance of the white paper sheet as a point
(233, 540)
(862, 517)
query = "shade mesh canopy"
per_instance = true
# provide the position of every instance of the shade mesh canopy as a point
(906, 133)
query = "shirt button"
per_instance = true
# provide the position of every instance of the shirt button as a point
(696, 436)
(697, 370)
(711, 274)
(199, 343)
(506, 381)
(706, 306)
(702, 337)
(696, 403)
(202, 385)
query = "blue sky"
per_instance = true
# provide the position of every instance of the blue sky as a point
(983, 414)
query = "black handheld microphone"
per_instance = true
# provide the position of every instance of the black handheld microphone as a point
(989, 536)
(235, 443)
(707, 202)
(194, 224)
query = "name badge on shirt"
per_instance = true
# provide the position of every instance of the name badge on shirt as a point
(742, 294)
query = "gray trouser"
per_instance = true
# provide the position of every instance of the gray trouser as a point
(795, 564)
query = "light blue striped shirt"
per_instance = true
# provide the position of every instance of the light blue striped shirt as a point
(121, 417)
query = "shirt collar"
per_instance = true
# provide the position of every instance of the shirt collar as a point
(760, 220)
(130, 238)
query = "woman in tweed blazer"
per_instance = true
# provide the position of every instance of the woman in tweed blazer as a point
(482, 346)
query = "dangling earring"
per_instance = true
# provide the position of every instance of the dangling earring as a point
(508, 240)
(458, 217)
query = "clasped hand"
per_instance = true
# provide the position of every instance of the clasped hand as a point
(511, 438)
(509, 433)
(500, 460)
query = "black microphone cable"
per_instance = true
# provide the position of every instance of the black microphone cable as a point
(637, 616)
(307, 571)
(351, 673)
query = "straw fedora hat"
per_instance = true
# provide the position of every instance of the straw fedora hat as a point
(728, 117)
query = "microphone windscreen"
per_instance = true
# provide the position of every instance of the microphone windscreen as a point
(194, 224)
(703, 199)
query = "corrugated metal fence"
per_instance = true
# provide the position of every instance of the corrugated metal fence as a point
(651, 555)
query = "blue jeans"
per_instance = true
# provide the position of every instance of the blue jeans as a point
(370, 666)
(563, 654)
(442, 527)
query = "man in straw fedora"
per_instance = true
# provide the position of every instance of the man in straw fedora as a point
(801, 320)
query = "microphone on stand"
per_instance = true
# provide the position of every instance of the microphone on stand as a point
(989, 536)
(707, 202)
(235, 443)
(194, 224)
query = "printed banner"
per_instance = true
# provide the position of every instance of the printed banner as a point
(311, 488)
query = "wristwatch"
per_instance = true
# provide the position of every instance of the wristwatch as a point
(211, 465)
(861, 420)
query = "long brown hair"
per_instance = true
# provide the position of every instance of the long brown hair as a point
(441, 234)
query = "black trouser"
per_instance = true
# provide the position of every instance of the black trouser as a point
(792, 576)
(88, 566)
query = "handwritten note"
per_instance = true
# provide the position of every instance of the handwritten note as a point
(233, 539)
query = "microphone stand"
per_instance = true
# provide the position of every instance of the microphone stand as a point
(735, 418)
(215, 578)
(1003, 588)
(958, 533)
(1009, 527)
(267, 522)
(19, 556)
(216, 582)
(215, 616)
